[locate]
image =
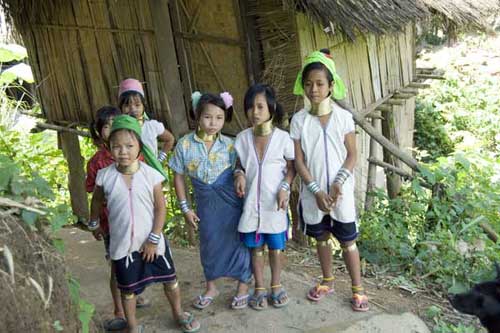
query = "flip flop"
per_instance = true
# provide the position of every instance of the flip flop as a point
(115, 324)
(184, 323)
(237, 299)
(359, 303)
(277, 299)
(202, 302)
(319, 291)
(258, 302)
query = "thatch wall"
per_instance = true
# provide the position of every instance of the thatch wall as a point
(80, 50)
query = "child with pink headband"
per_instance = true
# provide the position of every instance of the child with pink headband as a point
(131, 101)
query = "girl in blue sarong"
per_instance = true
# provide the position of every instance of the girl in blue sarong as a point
(208, 158)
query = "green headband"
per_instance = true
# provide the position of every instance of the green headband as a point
(339, 90)
(130, 123)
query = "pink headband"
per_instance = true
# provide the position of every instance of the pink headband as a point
(130, 85)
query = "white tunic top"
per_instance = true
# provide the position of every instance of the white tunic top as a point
(151, 129)
(131, 211)
(325, 153)
(263, 179)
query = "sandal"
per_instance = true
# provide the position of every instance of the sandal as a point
(185, 323)
(235, 304)
(319, 291)
(202, 301)
(359, 302)
(280, 299)
(258, 302)
(115, 324)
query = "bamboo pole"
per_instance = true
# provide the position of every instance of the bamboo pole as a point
(58, 128)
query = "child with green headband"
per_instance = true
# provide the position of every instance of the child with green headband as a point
(133, 194)
(325, 155)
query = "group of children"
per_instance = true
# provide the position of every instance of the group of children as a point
(241, 192)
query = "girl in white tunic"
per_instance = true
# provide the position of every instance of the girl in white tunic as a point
(325, 155)
(264, 176)
(131, 101)
(134, 197)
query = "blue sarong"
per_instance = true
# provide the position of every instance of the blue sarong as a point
(219, 209)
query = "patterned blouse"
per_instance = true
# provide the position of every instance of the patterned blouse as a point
(192, 158)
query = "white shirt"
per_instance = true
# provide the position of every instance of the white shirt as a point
(263, 179)
(151, 129)
(325, 153)
(131, 212)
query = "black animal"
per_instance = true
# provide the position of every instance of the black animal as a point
(483, 301)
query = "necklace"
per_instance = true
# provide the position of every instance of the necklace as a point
(129, 169)
(263, 129)
(321, 109)
(204, 136)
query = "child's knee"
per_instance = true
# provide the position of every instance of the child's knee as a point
(324, 237)
(349, 247)
(128, 296)
(258, 252)
(171, 286)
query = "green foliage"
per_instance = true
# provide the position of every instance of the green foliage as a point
(438, 234)
(430, 132)
(86, 310)
(441, 326)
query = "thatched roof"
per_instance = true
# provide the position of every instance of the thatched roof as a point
(471, 12)
(381, 16)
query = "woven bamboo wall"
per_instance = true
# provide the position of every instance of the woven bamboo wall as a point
(80, 50)
(371, 67)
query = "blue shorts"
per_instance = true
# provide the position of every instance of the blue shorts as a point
(273, 241)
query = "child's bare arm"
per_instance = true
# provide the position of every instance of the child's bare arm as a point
(180, 191)
(300, 164)
(239, 179)
(290, 171)
(95, 210)
(168, 141)
(160, 209)
(350, 145)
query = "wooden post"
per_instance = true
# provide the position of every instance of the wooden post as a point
(169, 66)
(76, 178)
(371, 182)
(389, 131)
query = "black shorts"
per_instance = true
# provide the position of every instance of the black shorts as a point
(343, 232)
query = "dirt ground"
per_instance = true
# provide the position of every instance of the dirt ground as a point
(391, 310)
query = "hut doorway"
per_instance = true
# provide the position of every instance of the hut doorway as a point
(212, 50)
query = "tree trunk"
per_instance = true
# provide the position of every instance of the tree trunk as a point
(76, 178)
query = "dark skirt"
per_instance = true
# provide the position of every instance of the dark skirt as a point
(138, 274)
(219, 209)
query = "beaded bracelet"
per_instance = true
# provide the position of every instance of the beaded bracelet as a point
(183, 204)
(285, 186)
(162, 156)
(342, 176)
(154, 238)
(93, 225)
(313, 187)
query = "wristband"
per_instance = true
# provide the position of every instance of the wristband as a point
(183, 204)
(285, 186)
(313, 187)
(342, 176)
(154, 238)
(162, 156)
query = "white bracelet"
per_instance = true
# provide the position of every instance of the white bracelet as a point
(313, 187)
(162, 156)
(93, 225)
(285, 186)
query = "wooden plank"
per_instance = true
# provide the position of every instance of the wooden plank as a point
(381, 52)
(403, 58)
(169, 65)
(364, 71)
(374, 66)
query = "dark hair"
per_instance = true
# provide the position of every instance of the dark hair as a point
(318, 66)
(134, 134)
(216, 100)
(102, 118)
(275, 109)
(127, 97)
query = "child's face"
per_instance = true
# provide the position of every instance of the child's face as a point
(316, 86)
(106, 130)
(124, 148)
(133, 107)
(259, 113)
(211, 119)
